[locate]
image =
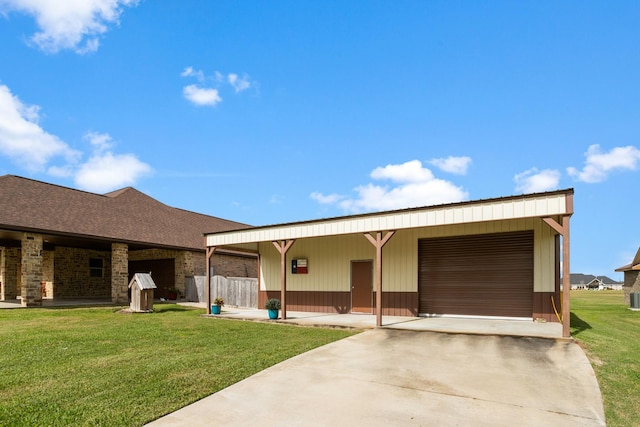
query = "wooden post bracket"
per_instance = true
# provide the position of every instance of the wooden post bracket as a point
(378, 242)
(283, 247)
(564, 230)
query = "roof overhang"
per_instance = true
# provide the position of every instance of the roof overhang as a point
(11, 237)
(550, 204)
(634, 265)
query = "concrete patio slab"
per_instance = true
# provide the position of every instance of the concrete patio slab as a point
(480, 326)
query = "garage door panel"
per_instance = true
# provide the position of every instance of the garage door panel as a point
(484, 275)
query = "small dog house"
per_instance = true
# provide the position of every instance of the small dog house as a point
(142, 286)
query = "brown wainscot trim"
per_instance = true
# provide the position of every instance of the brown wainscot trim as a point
(394, 303)
(399, 303)
(543, 307)
(315, 302)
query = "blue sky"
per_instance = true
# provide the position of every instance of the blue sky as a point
(271, 112)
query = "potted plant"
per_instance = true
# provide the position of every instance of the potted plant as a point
(217, 304)
(173, 294)
(273, 305)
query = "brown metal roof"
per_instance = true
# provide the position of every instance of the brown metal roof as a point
(568, 192)
(144, 280)
(125, 215)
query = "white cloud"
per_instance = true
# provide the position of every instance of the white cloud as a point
(411, 171)
(275, 199)
(328, 199)
(598, 165)
(26, 143)
(416, 187)
(69, 24)
(101, 141)
(451, 164)
(535, 181)
(106, 171)
(23, 140)
(61, 171)
(190, 72)
(201, 96)
(238, 83)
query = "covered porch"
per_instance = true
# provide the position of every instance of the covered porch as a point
(523, 283)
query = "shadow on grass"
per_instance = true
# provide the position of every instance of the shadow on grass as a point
(578, 325)
(162, 308)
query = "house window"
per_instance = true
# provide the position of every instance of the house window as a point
(96, 267)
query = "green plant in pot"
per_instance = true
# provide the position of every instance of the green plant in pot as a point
(217, 306)
(273, 305)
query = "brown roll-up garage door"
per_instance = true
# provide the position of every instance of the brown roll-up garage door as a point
(478, 275)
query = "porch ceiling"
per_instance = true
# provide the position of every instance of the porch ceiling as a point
(13, 238)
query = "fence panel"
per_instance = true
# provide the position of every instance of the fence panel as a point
(235, 291)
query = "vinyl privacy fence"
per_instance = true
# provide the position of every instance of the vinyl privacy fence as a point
(235, 291)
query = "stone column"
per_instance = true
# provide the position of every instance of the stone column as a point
(119, 273)
(9, 272)
(48, 273)
(182, 270)
(189, 265)
(31, 283)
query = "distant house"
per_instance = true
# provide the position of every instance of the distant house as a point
(589, 281)
(631, 277)
(64, 243)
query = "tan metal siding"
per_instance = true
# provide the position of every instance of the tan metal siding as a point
(329, 257)
(329, 263)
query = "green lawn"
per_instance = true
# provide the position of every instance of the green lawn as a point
(97, 366)
(610, 334)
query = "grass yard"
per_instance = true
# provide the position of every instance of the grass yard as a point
(96, 366)
(610, 334)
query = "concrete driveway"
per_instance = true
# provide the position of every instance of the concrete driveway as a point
(385, 377)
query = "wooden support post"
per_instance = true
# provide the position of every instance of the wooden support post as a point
(564, 231)
(210, 252)
(283, 247)
(379, 241)
(566, 280)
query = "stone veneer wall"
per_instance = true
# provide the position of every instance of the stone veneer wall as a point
(66, 273)
(631, 284)
(120, 273)
(72, 278)
(31, 291)
(9, 272)
(48, 258)
(231, 265)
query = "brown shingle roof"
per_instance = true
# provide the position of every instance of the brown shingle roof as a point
(123, 215)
